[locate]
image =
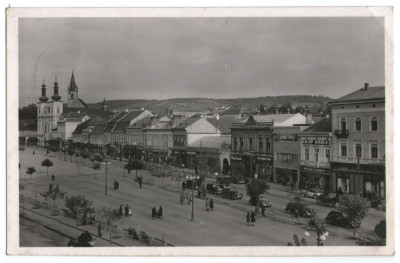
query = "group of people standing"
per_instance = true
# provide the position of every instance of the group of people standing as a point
(128, 211)
(209, 204)
(251, 218)
(116, 184)
(158, 214)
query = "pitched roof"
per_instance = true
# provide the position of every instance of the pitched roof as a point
(324, 125)
(187, 122)
(85, 125)
(225, 123)
(277, 118)
(211, 142)
(139, 124)
(72, 85)
(92, 113)
(363, 94)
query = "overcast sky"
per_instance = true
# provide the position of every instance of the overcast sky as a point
(160, 58)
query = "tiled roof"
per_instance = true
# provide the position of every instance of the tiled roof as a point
(99, 127)
(225, 123)
(187, 122)
(139, 124)
(86, 124)
(92, 113)
(364, 94)
(271, 117)
(324, 125)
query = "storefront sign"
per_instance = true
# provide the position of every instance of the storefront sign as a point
(314, 169)
(315, 141)
(264, 158)
(236, 158)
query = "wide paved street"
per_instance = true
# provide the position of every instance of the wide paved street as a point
(225, 226)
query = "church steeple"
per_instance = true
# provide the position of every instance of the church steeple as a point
(104, 104)
(56, 97)
(43, 98)
(72, 85)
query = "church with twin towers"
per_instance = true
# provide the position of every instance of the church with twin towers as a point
(56, 120)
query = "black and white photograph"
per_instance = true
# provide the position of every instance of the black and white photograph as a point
(250, 131)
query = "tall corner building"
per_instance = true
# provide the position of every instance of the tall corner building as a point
(358, 141)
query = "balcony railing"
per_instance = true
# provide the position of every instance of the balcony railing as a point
(341, 133)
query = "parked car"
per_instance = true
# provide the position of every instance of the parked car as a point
(264, 202)
(196, 184)
(214, 189)
(327, 200)
(312, 193)
(84, 240)
(339, 219)
(227, 180)
(300, 209)
(240, 180)
(231, 193)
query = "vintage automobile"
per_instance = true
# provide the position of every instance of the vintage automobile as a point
(263, 202)
(312, 193)
(196, 184)
(300, 209)
(239, 180)
(214, 189)
(339, 219)
(84, 240)
(227, 180)
(231, 193)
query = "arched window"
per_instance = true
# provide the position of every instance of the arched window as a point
(343, 125)
(358, 124)
(374, 124)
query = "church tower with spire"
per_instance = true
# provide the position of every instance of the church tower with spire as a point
(73, 98)
(48, 113)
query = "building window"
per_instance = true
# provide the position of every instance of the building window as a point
(234, 144)
(374, 150)
(250, 144)
(295, 158)
(268, 144)
(358, 124)
(374, 124)
(358, 150)
(328, 153)
(316, 155)
(343, 125)
(260, 145)
(307, 154)
(241, 143)
(343, 149)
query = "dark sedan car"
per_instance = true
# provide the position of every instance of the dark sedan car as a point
(339, 219)
(240, 180)
(300, 209)
(214, 189)
(231, 193)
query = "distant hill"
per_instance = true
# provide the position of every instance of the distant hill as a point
(200, 104)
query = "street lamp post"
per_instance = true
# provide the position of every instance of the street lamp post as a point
(192, 178)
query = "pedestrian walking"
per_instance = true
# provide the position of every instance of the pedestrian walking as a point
(211, 204)
(183, 185)
(127, 210)
(263, 211)
(248, 218)
(253, 218)
(182, 198)
(33, 152)
(52, 177)
(160, 211)
(120, 210)
(140, 181)
(153, 212)
(207, 205)
(99, 233)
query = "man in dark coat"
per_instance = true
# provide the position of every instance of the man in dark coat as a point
(120, 210)
(211, 204)
(248, 218)
(160, 211)
(253, 218)
(126, 210)
(140, 182)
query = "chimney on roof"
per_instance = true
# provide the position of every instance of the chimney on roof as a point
(366, 86)
(309, 119)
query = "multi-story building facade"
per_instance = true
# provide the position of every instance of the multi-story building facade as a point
(315, 152)
(158, 140)
(287, 153)
(358, 142)
(252, 144)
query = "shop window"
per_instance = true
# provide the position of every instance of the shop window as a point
(316, 155)
(343, 149)
(374, 124)
(358, 124)
(374, 150)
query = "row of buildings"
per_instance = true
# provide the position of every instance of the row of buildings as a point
(345, 150)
